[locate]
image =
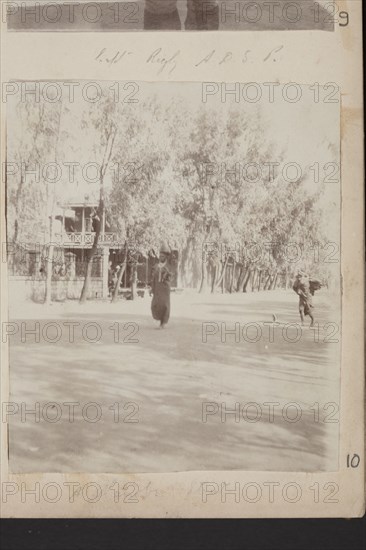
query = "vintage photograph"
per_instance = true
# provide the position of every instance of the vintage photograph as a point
(173, 273)
(173, 15)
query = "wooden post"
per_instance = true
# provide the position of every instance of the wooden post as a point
(105, 268)
(147, 271)
(103, 224)
(49, 264)
(126, 262)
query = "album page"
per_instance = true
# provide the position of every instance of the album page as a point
(182, 259)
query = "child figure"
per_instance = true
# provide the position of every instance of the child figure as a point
(303, 290)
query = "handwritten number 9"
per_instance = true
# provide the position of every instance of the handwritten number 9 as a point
(344, 15)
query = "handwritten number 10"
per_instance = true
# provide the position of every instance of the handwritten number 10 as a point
(353, 462)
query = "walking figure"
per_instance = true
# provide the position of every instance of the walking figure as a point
(302, 287)
(160, 287)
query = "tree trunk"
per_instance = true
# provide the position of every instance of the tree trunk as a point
(89, 265)
(253, 279)
(240, 279)
(203, 276)
(188, 261)
(111, 135)
(245, 276)
(270, 287)
(236, 277)
(266, 284)
(274, 282)
(249, 272)
(232, 277)
(49, 272)
(259, 280)
(223, 271)
(287, 281)
(213, 282)
(133, 282)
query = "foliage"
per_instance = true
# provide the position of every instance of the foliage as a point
(167, 173)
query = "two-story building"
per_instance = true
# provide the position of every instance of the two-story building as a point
(74, 227)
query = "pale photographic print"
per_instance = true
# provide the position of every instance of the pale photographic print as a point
(182, 259)
(173, 15)
(173, 271)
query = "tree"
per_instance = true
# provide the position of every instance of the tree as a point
(180, 178)
(143, 197)
(34, 148)
(105, 125)
(54, 129)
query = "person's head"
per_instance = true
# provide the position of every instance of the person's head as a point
(163, 256)
(164, 252)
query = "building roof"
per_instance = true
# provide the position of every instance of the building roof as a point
(79, 200)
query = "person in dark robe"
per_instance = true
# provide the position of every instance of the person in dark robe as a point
(303, 289)
(160, 287)
(161, 15)
(202, 15)
(110, 279)
(164, 15)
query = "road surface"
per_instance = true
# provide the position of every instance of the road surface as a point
(175, 388)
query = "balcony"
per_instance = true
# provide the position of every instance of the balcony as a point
(86, 239)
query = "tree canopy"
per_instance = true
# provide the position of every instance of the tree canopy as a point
(170, 172)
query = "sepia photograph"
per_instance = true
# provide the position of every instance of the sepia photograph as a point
(173, 276)
(174, 15)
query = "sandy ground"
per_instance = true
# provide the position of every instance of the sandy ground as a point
(241, 15)
(164, 380)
